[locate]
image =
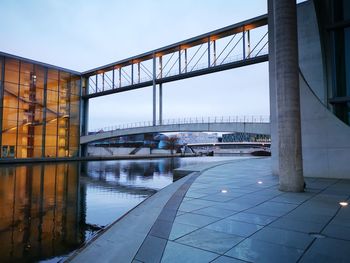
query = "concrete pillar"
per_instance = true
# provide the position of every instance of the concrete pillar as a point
(272, 88)
(160, 103)
(288, 97)
(154, 95)
(84, 114)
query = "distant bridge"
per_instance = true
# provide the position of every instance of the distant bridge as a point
(248, 124)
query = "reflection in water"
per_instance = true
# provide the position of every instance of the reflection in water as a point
(118, 186)
(49, 210)
(39, 212)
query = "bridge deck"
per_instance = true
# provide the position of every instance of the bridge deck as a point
(249, 127)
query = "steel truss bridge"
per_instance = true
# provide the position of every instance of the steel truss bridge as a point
(237, 45)
(249, 124)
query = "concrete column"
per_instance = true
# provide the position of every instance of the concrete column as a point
(85, 116)
(84, 123)
(154, 97)
(288, 97)
(272, 88)
(160, 103)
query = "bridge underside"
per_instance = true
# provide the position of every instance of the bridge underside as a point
(259, 128)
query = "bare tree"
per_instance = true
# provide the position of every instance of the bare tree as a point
(172, 142)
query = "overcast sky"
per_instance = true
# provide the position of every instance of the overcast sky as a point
(83, 34)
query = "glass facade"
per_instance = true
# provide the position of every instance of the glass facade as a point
(340, 35)
(39, 110)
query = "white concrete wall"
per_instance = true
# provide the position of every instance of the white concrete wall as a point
(102, 151)
(143, 151)
(310, 53)
(161, 151)
(325, 139)
(121, 150)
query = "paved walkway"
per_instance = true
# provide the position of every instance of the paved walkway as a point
(233, 212)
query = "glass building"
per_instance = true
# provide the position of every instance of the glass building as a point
(334, 23)
(39, 109)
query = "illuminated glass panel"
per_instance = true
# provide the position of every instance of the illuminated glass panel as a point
(40, 111)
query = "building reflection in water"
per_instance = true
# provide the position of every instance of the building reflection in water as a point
(49, 210)
(39, 212)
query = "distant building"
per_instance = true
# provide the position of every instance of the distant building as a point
(245, 137)
(197, 137)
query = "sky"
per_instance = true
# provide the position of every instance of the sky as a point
(84, 34)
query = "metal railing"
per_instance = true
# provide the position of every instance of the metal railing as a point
(218, 62)
(190, 120)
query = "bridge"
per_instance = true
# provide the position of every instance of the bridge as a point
(234, 46)
(248, 124)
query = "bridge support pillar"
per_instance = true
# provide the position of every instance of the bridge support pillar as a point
(286, 85)
(84, 124)
(160, 104)
(154, 121)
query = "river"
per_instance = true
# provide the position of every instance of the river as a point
(49, 210)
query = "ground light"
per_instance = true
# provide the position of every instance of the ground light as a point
(224, 191)
(343, 203)
(260, 182)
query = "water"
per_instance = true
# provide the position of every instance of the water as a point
(49, 210)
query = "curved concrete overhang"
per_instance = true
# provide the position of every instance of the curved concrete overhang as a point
(249, 127)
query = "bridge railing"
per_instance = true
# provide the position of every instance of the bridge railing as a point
(189, 120)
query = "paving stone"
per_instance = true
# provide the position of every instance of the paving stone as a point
(210, 240)
(175, 252)
(179, 230)
(234, 227)
(272, 209)
(234, 206)
(179, 213)
(337, 231)
(161, 229)
(151, 249)
(200, 201)
(252, 218)
(215, 212)
(167, 214)
(327, 250)
(225, 259)
(292, 198)
(195, 220)
(189, 207)
(302, 214)
(253, 250)
(218, 197)
(283, 237)
(194, 194)
(297, 225)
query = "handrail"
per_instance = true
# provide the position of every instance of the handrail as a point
(226, 60)
(191, 120)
